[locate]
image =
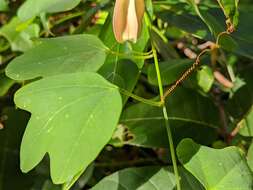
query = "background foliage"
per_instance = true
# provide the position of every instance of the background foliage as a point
(60, 62)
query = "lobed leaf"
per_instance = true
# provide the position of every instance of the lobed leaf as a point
(68, 54)
(73, 117)
(220, 169)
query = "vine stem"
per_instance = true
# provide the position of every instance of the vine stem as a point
(143, 100)
(166, 119)
(185, 74)
(136, 55)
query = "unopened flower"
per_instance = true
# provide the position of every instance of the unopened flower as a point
(127, 19)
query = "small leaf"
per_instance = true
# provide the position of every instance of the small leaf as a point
(5, 84)
(246, 124)
(32, 8)
(147, 178)
(205, 78)
(20, 39)
(4, 5)
(250, 157)
(230, 9)
(220, 169)
(68, 54)
(73, 117)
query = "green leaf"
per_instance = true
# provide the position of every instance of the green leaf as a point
(186, 22)
(205, 78)
(250, 157)
(246, 124)
(162, 45)
(116, 74)
(5, 84)
(20, 38)
(115, 67)
(230, 9)
(207, 18)
(68, 54)
(170, 70)
(187, 115)
(73, 117)
(242, 100)
(216, 169)
(239, 42)
(148, 178)
(32, 8)
(4, 5)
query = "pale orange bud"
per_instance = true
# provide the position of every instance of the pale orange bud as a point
(127, 19)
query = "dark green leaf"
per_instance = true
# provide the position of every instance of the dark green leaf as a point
(187, 115)
(148, 178)
(170, 70)
(230, 9)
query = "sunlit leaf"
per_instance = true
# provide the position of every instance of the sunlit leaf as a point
(68, 54)
(216, 169)
(73, 117)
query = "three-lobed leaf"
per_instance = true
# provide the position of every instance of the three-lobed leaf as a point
(73, 117)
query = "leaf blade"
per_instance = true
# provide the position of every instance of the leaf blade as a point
(77, 112)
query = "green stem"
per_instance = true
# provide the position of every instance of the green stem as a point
(138, 56)
(166, 119)
(172, 149)
(143, 100)
(159, 79)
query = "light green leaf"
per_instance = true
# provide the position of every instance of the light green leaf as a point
(250, 157)
(20, 39)
(216, 169)
(205, 78)
(246, 124)
(4, 5)
(230, 9)
(73, 117)
(147, 178)
(68, 54)
(32, 8)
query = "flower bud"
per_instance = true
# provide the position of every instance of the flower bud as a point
(127, 19)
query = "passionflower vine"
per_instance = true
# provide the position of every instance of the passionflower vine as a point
(127, 19)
